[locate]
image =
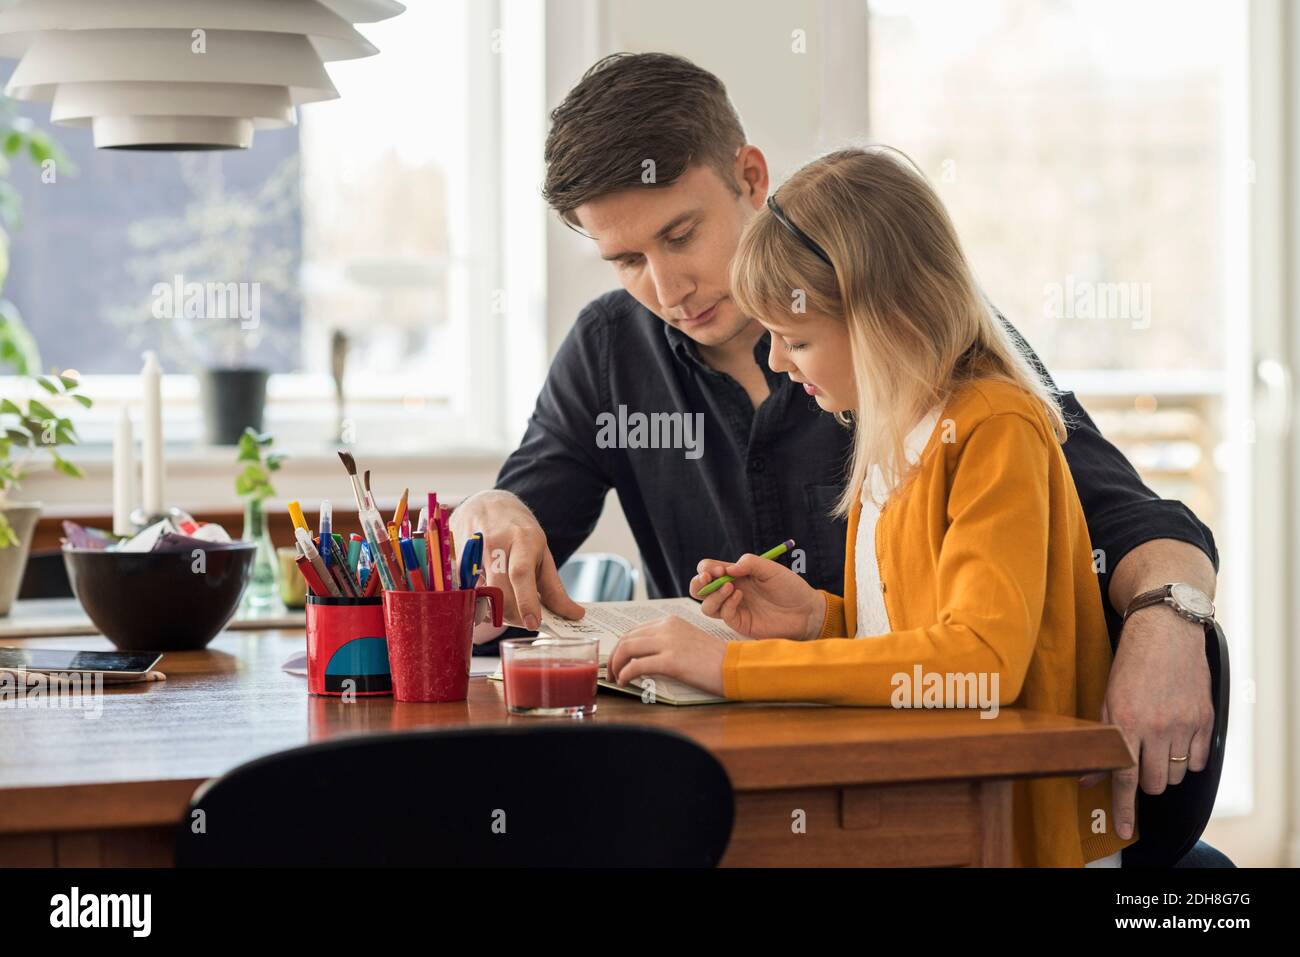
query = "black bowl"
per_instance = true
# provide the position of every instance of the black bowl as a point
(157, 601)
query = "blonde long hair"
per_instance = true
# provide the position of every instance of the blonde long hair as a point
(919, 327)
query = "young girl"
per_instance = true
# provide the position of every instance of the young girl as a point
(967, 552)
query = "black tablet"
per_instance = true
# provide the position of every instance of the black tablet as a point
(124, 663)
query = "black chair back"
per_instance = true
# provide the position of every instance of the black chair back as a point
(549, 795)
(1170, 823)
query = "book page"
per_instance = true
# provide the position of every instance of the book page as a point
(611, 620)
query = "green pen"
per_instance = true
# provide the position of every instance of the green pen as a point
(421, 554)
(771, 553)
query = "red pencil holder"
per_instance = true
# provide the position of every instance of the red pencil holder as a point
(431, 638)
(347, 648)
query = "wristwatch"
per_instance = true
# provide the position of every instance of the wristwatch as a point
(1186, 600)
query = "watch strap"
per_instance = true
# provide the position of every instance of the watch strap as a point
(1148, 598)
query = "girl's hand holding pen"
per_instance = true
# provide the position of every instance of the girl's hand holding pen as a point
(766, 600)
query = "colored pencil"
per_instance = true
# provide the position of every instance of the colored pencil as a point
(771, 553)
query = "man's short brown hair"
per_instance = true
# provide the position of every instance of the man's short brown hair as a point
(633, 107)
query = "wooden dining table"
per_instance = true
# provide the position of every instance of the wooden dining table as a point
(814, 786)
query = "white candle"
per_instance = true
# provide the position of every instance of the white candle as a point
(152, 442)
(123, 475)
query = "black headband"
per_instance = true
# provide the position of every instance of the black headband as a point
(798, 233)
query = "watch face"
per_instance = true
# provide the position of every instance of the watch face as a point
(1193, 600)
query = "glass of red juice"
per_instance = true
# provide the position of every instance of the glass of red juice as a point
(550, 676)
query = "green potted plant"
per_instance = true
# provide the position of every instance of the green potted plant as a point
(253, 485)
(19, 137)
(27, 430)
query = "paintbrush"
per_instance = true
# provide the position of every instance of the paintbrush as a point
(350, 464)
(372, 526)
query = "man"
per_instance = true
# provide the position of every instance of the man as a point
(647, 156)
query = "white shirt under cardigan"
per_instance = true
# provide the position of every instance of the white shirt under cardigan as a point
(873, 616)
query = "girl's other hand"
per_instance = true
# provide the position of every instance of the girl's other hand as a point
(671, 648)
(766, 600)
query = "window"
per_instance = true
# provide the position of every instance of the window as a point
(378, 229)
(1092, 154)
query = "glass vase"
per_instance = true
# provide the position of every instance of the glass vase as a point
(263, 584)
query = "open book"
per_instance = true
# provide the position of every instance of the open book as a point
(609, 621)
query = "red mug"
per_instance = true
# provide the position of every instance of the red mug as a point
(431, 638)
(346, 647)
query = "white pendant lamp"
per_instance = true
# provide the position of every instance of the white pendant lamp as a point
(139, 75)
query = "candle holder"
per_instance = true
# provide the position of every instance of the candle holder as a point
(140, 519)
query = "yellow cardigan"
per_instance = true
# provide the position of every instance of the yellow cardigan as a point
(986, 567)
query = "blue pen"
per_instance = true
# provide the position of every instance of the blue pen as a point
(469, 561)
(326, 546)
(472, 560)
(410, 561)
(466, 560)
(363, 567)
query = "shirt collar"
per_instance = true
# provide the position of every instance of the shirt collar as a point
(687, 350)
(683, 346)
(913, 445)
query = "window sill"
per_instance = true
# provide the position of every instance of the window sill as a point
(203, 478)
(98, 459)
